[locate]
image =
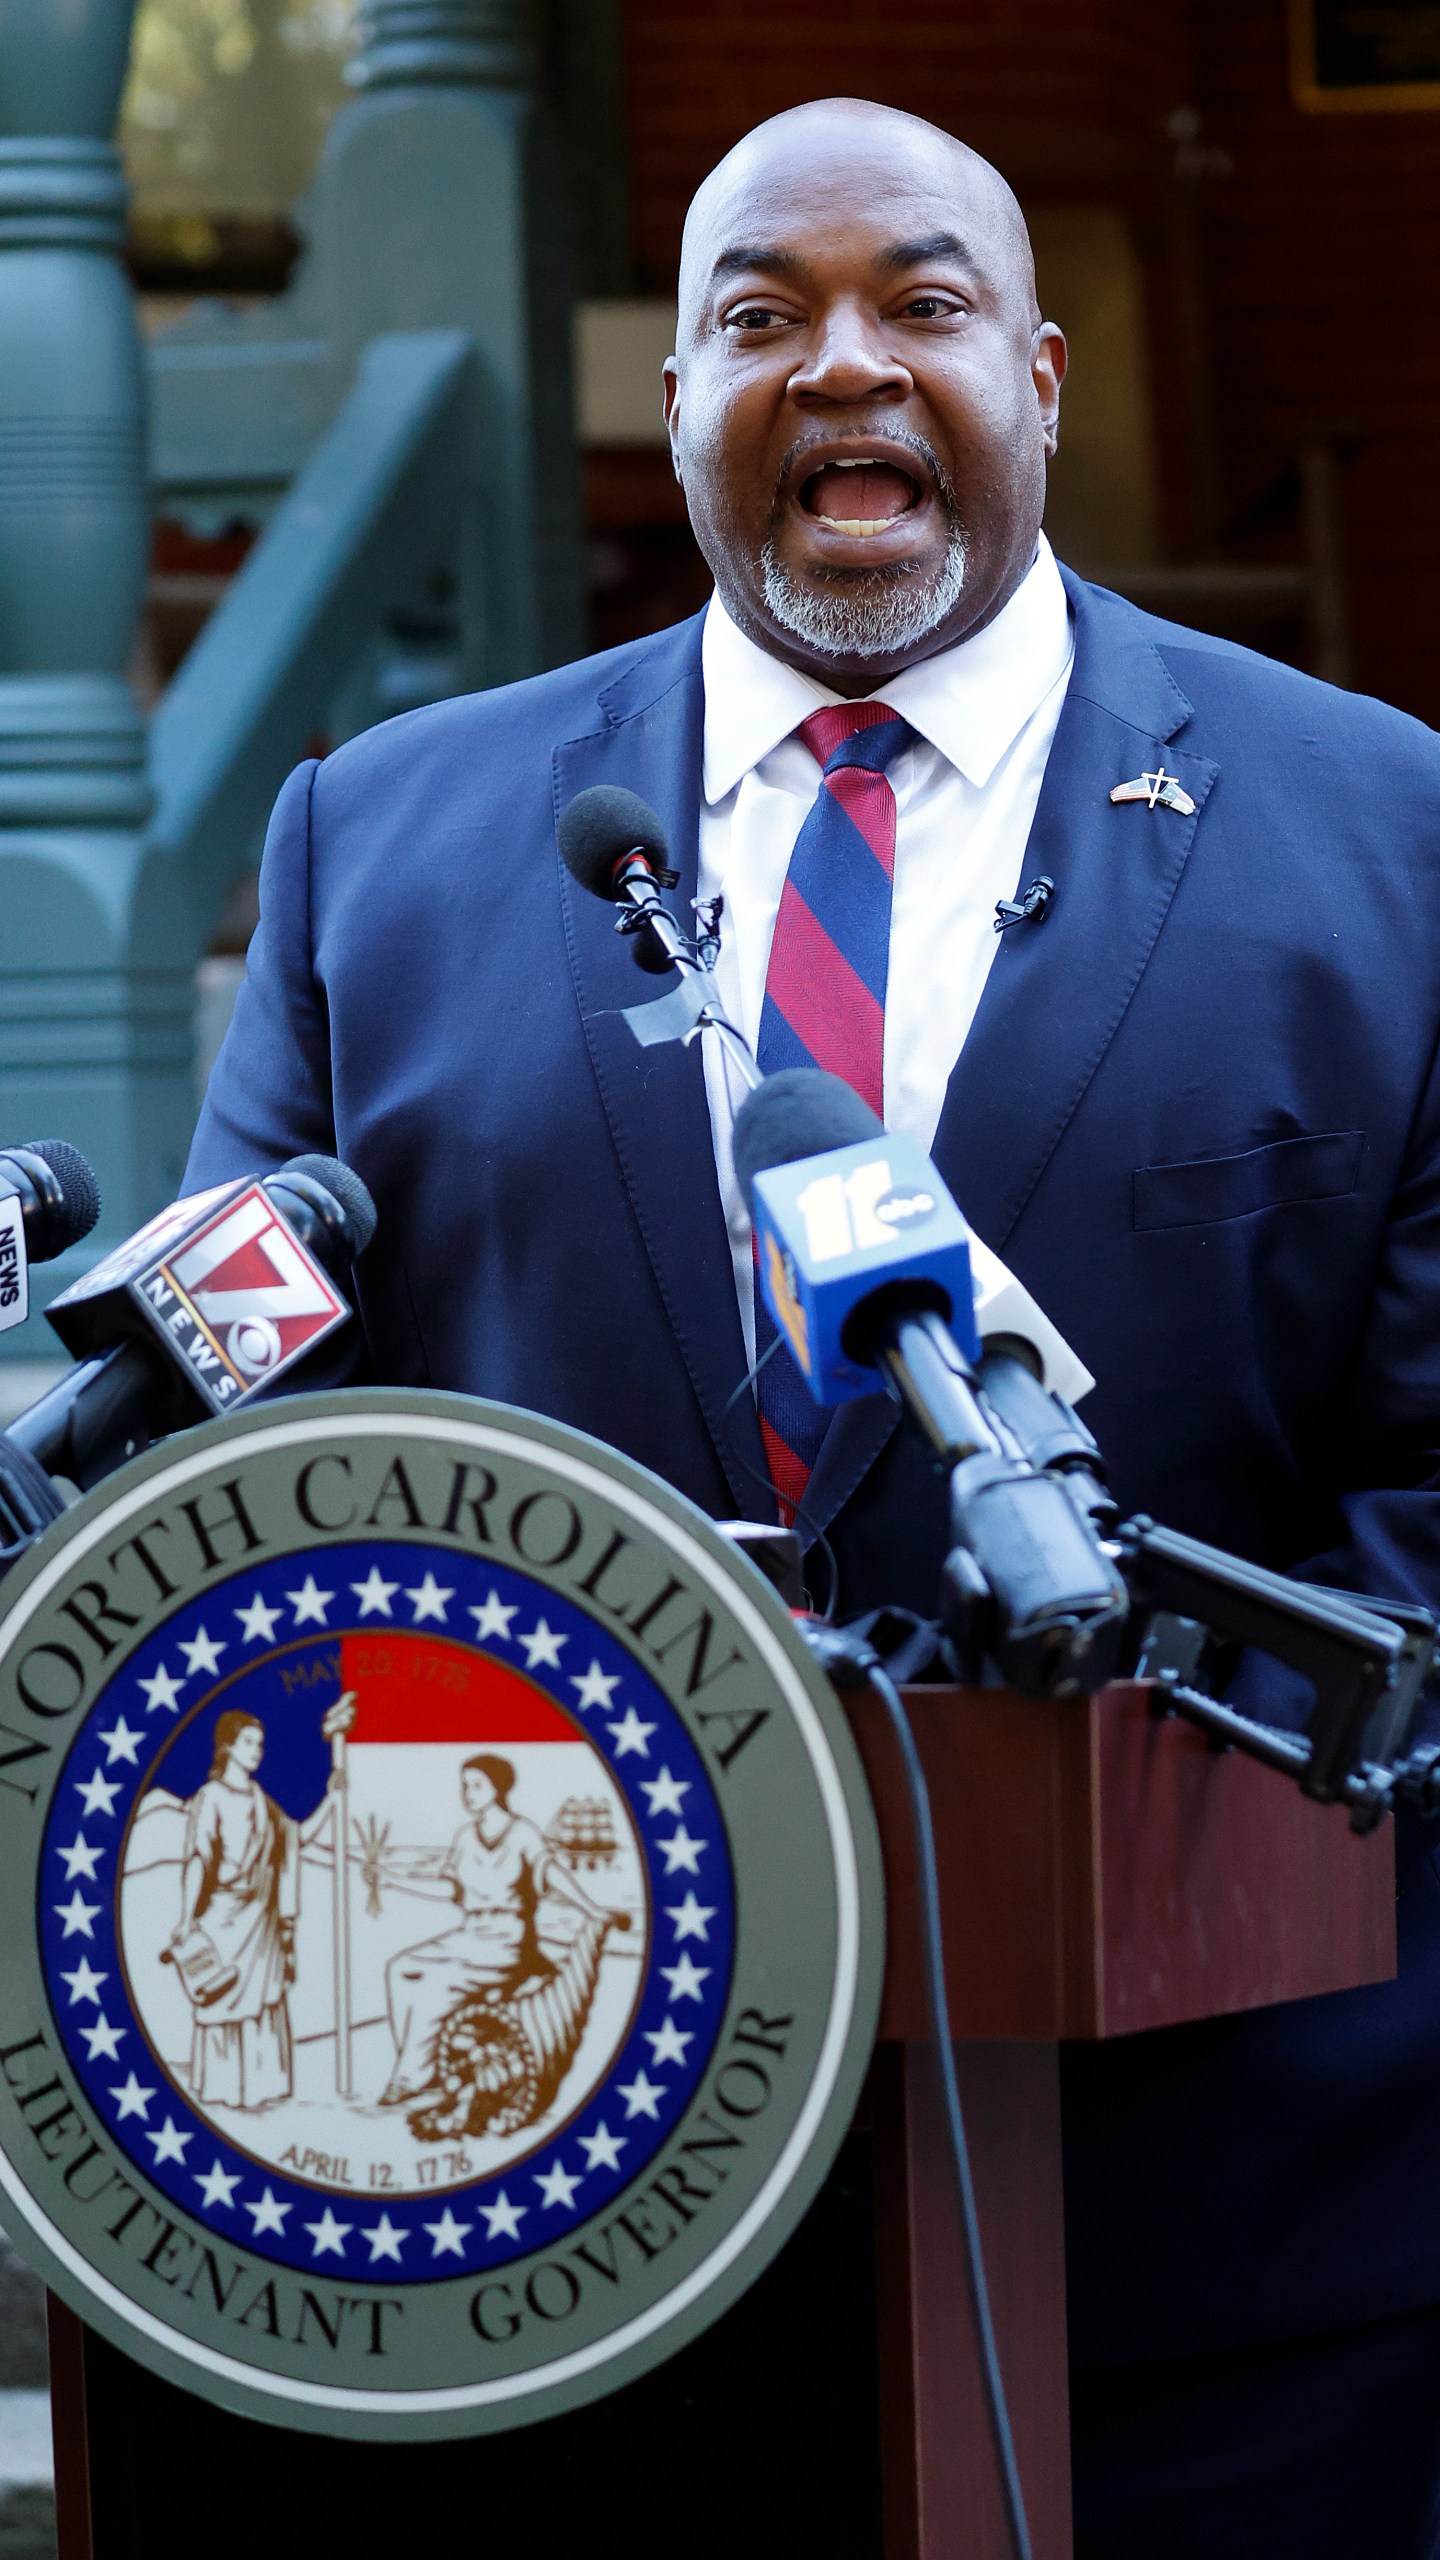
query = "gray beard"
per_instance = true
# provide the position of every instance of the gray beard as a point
(867, 613)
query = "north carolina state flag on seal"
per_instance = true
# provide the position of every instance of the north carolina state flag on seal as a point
(424, 1707)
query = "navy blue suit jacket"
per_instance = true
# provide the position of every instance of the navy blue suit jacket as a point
(1197, 1113)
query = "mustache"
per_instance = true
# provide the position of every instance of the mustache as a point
(908, 440)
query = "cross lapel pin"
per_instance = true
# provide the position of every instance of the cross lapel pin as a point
(1158, 791)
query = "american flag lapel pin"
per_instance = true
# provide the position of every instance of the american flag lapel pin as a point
(1158, 791)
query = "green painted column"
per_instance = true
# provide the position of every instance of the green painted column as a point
(95, 998)
(440, 202)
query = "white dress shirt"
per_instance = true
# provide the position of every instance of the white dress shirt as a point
(985, 715)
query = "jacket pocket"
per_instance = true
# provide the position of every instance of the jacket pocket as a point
(1212, 1188)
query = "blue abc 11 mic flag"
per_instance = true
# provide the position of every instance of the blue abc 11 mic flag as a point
(831, 1229)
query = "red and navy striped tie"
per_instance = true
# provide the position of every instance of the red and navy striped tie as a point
(825, 997)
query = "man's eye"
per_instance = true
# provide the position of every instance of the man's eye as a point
(755, 315)
(930, 306)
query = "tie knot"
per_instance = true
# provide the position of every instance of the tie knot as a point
(855, 733)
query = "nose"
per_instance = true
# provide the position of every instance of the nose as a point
(848, 357)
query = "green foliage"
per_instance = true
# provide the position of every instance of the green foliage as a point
(228, 101)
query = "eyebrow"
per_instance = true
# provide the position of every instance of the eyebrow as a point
(739, 262)
(901, 255)
(922, 253)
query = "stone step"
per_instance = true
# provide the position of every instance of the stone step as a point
(27, 2524)
(27, 2477)
(22, 2324)
(27, 2459)
(27, 2462)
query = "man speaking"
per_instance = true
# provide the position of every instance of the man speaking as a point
(1191, 1102)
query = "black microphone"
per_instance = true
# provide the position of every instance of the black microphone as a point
(326, 1205)
(1047, 1431)
(49, 1199)
(1027, 1585)
(608, 837)
(1031, 907)
(58, 1194)
(613, 844)
(202, 1310)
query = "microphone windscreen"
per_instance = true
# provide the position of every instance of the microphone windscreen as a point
(361, 1216)
(75, 1213)
(599, 827)
(799, 1112)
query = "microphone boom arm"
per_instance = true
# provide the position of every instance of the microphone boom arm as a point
(1033, 1588)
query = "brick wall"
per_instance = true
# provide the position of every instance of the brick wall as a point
(1316, 249)
(1321, 249)
(1072, 87)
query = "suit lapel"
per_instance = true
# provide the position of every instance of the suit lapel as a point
(1057, 991)
(648, 736)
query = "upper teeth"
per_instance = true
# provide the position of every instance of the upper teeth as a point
(853, 462)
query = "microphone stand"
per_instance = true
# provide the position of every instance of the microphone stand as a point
(1367, 1661)
(1191, 1609)
(658, 943)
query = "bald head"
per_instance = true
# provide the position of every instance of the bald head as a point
(834, 145)
(863, 393)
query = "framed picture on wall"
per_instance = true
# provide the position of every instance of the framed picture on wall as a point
(1351, 57)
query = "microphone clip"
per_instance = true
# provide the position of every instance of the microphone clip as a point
(1031, 907)
(694, 1005)
(657, 952)
(708, 912)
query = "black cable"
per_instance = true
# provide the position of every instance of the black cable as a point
(938, 2005)
(817, 1537)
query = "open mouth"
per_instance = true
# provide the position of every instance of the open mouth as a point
(862, 494)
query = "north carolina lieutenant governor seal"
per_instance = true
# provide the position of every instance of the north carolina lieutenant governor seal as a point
(1195, 1110)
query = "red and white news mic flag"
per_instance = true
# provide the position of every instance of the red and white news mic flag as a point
(224, 1281)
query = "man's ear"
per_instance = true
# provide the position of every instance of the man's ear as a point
(670, 380)
(1049, 357)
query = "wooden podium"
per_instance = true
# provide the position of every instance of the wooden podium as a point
(1103, 1871)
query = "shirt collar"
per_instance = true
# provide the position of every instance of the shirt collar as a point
(971, 702)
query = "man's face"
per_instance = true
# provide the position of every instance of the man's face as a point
(862, 402)
(248, 1747)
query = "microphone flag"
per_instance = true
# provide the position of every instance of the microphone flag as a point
(223, 1279)
(831, 1229)
(14, 1262)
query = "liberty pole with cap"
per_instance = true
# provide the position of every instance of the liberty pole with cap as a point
(340, 1891)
